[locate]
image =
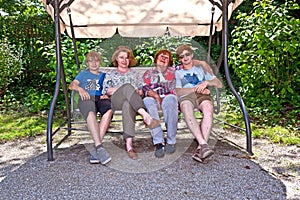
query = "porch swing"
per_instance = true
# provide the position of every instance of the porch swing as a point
(142, 19)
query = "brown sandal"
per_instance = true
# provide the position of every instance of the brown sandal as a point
(132, 154)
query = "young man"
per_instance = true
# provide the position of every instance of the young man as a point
(88, 83)
(191, 88)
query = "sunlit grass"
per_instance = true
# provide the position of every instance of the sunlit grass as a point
(275, 134)
(18, 125)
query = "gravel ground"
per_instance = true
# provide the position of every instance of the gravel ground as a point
(272, 173)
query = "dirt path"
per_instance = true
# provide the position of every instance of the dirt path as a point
(280, 160)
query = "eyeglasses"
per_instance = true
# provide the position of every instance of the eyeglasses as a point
(164, 57)
(182, 55)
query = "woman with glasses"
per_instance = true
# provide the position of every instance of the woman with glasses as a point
(159, 90)
(191, 88)
(124, 86)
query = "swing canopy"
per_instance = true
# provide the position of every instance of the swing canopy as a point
(136, 18)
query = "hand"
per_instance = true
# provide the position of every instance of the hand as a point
(104, 97)
(158, 100)
(153, 94)
(110, 91)
(140, 92)
(83, 94)
(206, 91)
(201, 87)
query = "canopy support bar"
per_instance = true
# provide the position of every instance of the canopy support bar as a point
(142, 24)
(60, 76)
(74, 41)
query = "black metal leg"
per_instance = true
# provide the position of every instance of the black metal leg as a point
(242, 105)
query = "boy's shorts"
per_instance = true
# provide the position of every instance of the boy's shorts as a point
(95, 104)
(195, 98)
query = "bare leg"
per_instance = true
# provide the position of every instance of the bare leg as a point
(146, 116)
(188, 111)
(94, 128)
(128, 144)
(206, 108)
(104, 123)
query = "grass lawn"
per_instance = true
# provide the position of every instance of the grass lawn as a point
(18, 125)
(289, 135)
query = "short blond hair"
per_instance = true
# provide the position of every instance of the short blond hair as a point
(93, 55)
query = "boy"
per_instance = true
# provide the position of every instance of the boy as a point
(89, 84)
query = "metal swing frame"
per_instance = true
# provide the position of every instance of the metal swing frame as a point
(60, 76)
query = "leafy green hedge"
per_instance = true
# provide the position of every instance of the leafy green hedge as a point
(25, 35)
(264, 54)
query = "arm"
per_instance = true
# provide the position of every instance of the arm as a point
(154, 95)
(75, 85)
(206, 67)
(182, 91)
(146, 87)
(215, 82)
(108, 86)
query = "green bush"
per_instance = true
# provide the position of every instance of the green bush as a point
(26, 34)
(10, 65)
(264, 54)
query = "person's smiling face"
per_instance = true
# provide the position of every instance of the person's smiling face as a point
(122, 60)
(186, 57)
(163, 60)
(93, 64)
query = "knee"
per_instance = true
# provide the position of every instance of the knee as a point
(148, 101)
(170, 103)
(184, 105)
(108, 113)
(128, 86)
(91, 116)
(207, 108)
(172, 99)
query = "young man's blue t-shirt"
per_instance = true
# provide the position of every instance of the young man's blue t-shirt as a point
(92, 83)
(191, 77)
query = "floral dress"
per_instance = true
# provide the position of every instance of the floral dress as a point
(116, 79)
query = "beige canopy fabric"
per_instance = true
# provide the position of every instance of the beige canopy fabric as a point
(139, 18)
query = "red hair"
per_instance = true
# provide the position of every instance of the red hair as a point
(164, 52)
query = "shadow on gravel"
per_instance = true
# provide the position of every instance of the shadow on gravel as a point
(229, 174)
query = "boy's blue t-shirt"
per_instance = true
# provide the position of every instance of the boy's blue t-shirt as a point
(92, 83)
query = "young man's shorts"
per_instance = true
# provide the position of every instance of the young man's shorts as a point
(195, 98)
(95, 104)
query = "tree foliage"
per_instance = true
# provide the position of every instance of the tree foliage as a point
(25, 29)
(264, 54)
(21, 7)
(10, 65)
